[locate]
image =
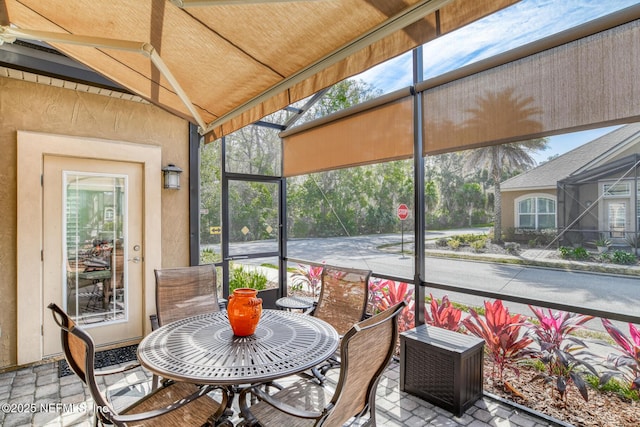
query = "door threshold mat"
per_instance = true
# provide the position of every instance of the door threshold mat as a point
(104, 358)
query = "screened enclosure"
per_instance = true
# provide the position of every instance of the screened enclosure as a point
(602, 203)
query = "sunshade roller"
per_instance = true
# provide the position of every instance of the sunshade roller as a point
(564, 87)
(379, 130)
(574, 80)
(235, 62)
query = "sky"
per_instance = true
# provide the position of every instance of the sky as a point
(515, 26)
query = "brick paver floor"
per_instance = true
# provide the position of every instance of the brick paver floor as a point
(36, 396)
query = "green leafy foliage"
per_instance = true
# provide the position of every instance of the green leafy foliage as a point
(622, 257)
(469, 238)
(612, 385)
(453, 243)
(501, 332)
(242, 277)
(578, 253)
(207, 256)
(478, 245)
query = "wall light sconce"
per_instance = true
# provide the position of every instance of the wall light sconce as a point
(171, 176)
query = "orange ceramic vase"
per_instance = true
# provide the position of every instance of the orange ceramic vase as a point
(244, 310)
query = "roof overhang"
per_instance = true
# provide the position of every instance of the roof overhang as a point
(625, 166)
(225, 64)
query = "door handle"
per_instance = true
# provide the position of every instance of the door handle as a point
(135, 259)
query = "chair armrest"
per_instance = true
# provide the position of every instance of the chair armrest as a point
(282, 406)
(116, 370)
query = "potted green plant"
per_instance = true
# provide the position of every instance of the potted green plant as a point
(602, 244)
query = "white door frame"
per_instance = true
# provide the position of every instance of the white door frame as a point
(627, 220)
(31, 149)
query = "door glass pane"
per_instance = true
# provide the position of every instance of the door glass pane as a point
(94, 240)
(253, 217)
(617, 218)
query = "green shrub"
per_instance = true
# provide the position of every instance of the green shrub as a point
(578, 253)
(453, 243)
(244, 278)
(613, 386)
(470, 238)
(565, 252)
(207, 256)
(477, 245)
(605, 257)
(622, 257)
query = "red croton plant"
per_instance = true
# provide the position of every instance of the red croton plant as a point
(501, 331)
(627, 364)
(443, 315)
(386, 293)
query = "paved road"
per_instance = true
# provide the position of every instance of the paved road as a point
(616, 293)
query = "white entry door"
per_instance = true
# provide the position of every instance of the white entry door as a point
(92, 248)
(617, 217)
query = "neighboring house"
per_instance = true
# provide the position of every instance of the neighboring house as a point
(587, 192)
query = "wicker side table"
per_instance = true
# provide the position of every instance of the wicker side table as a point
(442, 367)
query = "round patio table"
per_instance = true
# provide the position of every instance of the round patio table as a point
(203, 349)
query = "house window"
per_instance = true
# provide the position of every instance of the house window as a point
(617, 190)
(538, 212)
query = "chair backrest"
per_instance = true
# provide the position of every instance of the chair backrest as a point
(185, 291)
(79, 352)
(343, 297)
(365, 351)
(117, 267)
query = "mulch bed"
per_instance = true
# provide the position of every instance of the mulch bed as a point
(604, 409)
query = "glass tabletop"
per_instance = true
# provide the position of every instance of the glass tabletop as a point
(204, 350)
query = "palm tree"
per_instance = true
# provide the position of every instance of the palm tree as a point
(503, 110)
(503, 158)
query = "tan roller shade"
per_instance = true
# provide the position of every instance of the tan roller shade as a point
(225, 64)
(369, 133)
(583, 78)
(587, 83)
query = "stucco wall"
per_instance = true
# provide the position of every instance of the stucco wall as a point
(40, 108)
(508, 206)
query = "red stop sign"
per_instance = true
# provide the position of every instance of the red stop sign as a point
(403, 211)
